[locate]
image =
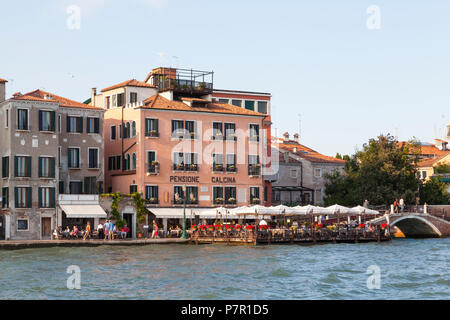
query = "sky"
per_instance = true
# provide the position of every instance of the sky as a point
(348, 72)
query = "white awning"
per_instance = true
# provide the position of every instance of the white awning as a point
(202, 213)
(170, 213)
(83, 211)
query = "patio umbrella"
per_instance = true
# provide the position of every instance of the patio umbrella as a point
(335, 209)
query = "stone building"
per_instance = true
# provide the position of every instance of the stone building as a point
(301, 175)
(49, 145)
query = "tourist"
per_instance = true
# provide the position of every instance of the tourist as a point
(366, 203)
(106, 229)
(74, 233)
(402, 205)
(87, 233)
(124, 232)
(100, 231)
(155, 231)
(112, 229)
(66, 232)
(396, 206)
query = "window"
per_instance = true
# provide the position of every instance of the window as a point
(254, 195)
(93, 158)
(151, 194)
(178, 195)
(424, 174)
(151, 161)
(108, 102)
(178, 161)
(254, 167)
(93, 125)
(262, 107)
(75, 187)
(22, 225)
(250, 105)
(217, 162)
(133, 129)
(5, 197)
(5, 167)
(118, 100)
(230, 131)
(317, 173)
(192, 195)
(133, 97)
(118, 162)
(61, 188)
(74, 158)
(22, 119)
(231, 162)
(133, 161)
(218, 195)
(46, 167)
(237, 103)
(191, 162)
(120, 131)
(177, 129)
(191, 128)
(294, 173)
(22, 166)
(7, 119)
(112, 163)
(46, 197)
(230, 195)
(74, 124)
(23, 197)
(224, 101)
(126, 130)
(90, 185)
(113, 132)
(151, 128)
(217, 131)
(254, 132)
(126, 162)
(59, 124)
(59, 157)
(46, 121)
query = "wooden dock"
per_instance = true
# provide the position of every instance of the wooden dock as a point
(16, 245)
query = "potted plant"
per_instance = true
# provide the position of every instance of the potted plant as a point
(218, 167)
(255, 200)
(180, 166)
(232, 200)
(219, 200)
(232, 168)
(153, 200)
(202, 86)
(153, 133)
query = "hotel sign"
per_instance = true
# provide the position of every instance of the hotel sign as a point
(196, 179)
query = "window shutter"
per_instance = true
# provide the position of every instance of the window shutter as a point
(97, 125)
(52, 197)
(40, 120)
(88, 125)
(68, 124)
(16, 197)
(29, 197)
(40, 197)
(80, 125)
(28, 167)
(40, 167)
(52, 167)
(147, 126)
(52, 121)
(16, 166)
(157, 125)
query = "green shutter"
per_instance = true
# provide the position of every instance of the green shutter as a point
(52, 197)
(16, 197)
(28, 167)
(68, 124)
(29, 197)
(80, 125)
(52, 121)
(40, 197)
(16, 166)
(40, 167)
(40, 120)
(52, 167)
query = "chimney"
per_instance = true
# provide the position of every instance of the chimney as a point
(297, 137)
(93, 94)
(2, 90)
(286, 136)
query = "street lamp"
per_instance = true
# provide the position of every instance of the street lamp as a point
(184, 236)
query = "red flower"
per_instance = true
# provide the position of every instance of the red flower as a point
(362, 225)
(250, 227)
(263, 227)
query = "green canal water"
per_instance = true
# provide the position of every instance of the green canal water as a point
(409, 269)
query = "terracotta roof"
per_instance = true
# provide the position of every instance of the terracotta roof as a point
(308, 153)
(129, 83)
(39, 95)
(3, 80)
(159, 102)
(426, 149)
(430, 162)
(194, 100)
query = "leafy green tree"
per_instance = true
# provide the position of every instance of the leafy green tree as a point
(434, 191)
(380, 173)
(442, 169)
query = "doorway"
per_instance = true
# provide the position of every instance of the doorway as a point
(2, 228)
(128, 217)
(46, 225)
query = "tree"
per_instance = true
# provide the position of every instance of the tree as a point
(434, 191)
(379, 173)
(442, 169)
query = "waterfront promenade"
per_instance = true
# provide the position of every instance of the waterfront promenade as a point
(27, 244)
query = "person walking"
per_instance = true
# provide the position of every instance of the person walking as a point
(396, 205)
(155, 231)
(402, 204)
(87, 232)
(106, 227)
(111, 230)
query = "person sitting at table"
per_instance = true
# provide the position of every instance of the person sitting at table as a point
(124, 232)
(74, 233)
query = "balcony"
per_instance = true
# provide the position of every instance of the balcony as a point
(153, 168)
(191, 167)
(179, 167)
(230, 201)
(152, 201)
(184, 81)
(152, 134)
(180, 201)
(231, 168)
(254, 170)
(255, 201)
(218, 168)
